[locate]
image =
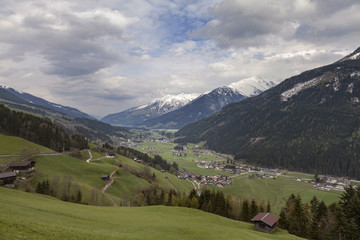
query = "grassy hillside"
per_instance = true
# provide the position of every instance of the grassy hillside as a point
(87, 176)
(31, 216)
(276, 191)
(14, 145)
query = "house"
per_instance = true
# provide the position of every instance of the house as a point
(21, 165)
(8, 177)
(105, 177)
(111, 154)
(265, 222)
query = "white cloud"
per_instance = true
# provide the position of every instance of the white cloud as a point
(119, 54)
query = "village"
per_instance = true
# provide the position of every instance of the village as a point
(217, 180)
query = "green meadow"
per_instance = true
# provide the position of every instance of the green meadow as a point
(15, 145)
(276, 190)
(33, 216)
(187, 162)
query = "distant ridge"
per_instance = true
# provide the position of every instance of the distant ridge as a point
(70, 119)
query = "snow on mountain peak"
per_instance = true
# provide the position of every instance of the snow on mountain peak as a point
(4, 86)
(175, 100)
(251, 86)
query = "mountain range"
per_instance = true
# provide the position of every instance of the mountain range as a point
(309, 122)
(136, 116)
(71, 119)
(175, 111)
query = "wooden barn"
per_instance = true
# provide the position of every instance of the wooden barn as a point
(265, 222)
(8, 177)
(21, 165)
(105, 177)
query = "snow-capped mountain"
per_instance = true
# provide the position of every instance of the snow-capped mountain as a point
(175, 111)
(253, 86)
(157, 107)
(197, 109)
(211, 102)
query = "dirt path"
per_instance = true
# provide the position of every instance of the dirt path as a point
(90, 156)
(195, 184)
(109, 185)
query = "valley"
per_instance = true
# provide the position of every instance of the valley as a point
(247, 181)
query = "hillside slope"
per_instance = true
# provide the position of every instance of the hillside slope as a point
(30, 216)
(70, 119)
(309, 122)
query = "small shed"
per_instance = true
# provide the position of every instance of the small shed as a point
(265, 222)
(111, 154)
(105, 177)
(8, 177)
(21, 165)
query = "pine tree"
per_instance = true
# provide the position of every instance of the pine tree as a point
(253, 209)
(268, 207)
(245, 211)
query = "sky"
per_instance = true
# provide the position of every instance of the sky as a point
(103, 56)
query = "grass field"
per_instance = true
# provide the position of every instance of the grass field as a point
(276, 191)
(88, 175)
(31, 216)
(187, 162)
(14, 145)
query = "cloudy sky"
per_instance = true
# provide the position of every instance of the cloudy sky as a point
(104, 56)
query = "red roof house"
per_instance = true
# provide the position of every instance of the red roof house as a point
(265, 222)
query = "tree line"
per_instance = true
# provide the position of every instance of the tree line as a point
(38, 130)
(317, 221)
(208, 200)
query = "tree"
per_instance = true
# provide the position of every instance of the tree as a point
(268, 206)
(245, 214)
(253, 209)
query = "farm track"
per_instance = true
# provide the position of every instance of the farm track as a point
(109, 185)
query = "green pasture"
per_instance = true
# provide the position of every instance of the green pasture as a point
(276, 190)
(187, 162)
(15, 145)
(32, 216)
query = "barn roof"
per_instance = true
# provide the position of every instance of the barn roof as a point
(19, 163)
(266, 218)
(3, 168)
(7, 174)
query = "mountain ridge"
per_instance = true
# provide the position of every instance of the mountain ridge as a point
(308, 122)
(171, 117)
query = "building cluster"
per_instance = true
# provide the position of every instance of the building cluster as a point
(217, 180)
(327, 183)
(10, 171)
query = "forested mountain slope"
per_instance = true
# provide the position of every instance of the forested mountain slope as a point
(309, 122)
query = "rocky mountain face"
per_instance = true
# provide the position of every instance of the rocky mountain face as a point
(309, 122)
